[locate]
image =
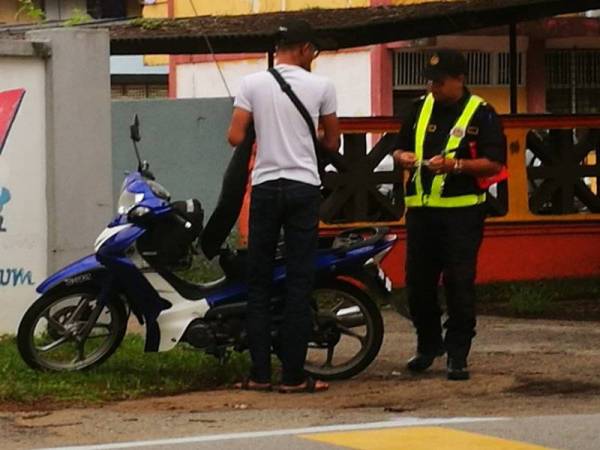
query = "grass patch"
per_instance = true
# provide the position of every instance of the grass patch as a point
(531, 300)
(128, 374)
(523, 297)
(203, 270)
(559, 290)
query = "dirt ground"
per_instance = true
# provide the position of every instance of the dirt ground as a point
(518, 367)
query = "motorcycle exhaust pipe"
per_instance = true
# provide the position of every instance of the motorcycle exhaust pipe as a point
(351, 317)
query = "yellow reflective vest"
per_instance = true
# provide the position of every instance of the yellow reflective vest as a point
(435, 197)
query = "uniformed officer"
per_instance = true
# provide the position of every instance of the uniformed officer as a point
(448, 140)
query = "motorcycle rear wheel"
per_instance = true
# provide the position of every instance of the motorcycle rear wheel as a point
(53, 334)
(348, 331)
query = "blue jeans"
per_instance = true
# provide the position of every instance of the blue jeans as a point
(293, 206)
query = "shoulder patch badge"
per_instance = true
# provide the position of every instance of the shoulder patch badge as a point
(458, 132)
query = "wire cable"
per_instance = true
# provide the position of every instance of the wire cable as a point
(212, 52)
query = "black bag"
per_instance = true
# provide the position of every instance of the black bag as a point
(168, 242)
(230, 201)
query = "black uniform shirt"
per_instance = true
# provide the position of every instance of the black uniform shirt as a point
(485, 129)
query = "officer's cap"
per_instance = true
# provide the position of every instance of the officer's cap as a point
(445, 62)
(297, 31)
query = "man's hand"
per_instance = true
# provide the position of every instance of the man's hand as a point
(406, 160)
(480, 167)
(438, 164)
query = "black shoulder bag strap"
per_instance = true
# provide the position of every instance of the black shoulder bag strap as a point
(285, 87)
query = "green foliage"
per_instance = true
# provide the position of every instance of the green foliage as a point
(29, 9)
(204, 270)
(523, 297)
(148, 23)
(78, 17)
(533, 299)
(128, 374)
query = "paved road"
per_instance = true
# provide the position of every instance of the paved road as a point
(574, 432)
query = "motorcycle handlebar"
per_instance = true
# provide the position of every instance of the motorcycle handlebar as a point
(378, 234)
(182, 220)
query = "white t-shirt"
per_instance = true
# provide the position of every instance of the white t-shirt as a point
(285, 147)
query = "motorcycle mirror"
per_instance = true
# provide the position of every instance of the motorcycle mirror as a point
(134, 132)
(134, 129)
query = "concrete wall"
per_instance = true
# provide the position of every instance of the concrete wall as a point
(57, 161)
(183, 140)
(78, 136)
(23, 261)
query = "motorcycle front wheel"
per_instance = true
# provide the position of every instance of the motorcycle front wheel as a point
(347, 331)
(69, 330)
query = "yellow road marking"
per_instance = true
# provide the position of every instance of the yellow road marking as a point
(419, 438)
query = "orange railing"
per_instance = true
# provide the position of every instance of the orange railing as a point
(516, 129)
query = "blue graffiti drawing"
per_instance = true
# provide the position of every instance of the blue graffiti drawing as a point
(16, 277)
(4, 199)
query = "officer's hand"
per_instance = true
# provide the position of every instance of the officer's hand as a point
(406, 160)
(439, 164)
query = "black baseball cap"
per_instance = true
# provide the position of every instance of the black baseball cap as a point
(298, 31)
(445, 62)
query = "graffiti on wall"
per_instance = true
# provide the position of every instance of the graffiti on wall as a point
(9, 106)
(4, 199)
(13, 277)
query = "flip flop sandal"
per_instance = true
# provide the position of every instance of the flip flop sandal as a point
(310, 386)
(249, 385)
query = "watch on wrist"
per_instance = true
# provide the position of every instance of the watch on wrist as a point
(457, 166)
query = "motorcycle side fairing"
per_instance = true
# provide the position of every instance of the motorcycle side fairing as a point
(84, 269)
(80, 271)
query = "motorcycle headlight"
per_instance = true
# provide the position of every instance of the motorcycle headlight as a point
(158, 190)
(137, 212)
(128, 200)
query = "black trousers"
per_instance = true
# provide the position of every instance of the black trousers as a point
(293, 206)
(443, 242)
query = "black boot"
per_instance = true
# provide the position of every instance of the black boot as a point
(457, 369)
(423, 361)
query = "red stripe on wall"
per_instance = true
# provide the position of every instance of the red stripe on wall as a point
(172, 65)
(381, 81)
(522, 251)
(536, 77)
(172, 77)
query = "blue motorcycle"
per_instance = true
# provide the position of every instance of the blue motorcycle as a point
(81, 317)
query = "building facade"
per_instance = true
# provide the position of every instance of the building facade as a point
(131, 77)
(29, 10)
(379, 80)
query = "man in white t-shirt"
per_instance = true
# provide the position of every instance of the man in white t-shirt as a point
(285, 194)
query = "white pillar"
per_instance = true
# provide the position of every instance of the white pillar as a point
(56, 162)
